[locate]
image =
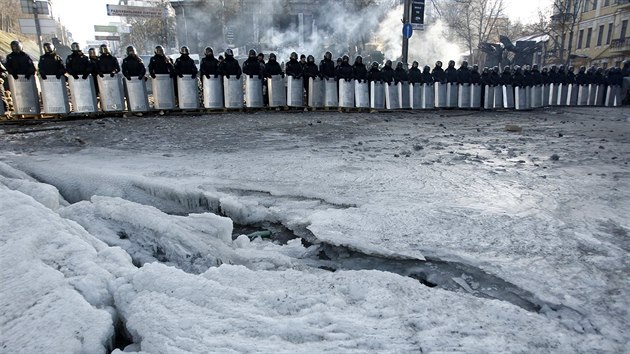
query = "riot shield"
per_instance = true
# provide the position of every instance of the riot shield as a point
(361, 94)
(440, 95)
(2, 111)
(137, 99)
(346, 93)
(463, 96)
(428, 96)
(54, 95)
(377, 95)
(613, 96)
(498, 97)
(392, 100)
(475, 96)
(233, 92)
(316, 92)
(554, 92)
(212, 92)
(451, 95)
(24, 95)
(331, 98)
(582, 95)
(592, 94)
(572, 95)
(277, 92)
(536, 96)
(528, 97)
(563, 91)
(600, 95)
(488, 97)
(508, 96)
(520, 98)
(295, 92)
(546, 95)
(253, 92)
(111, 93)
(404, 95)
(163, 92)
(188, 92)
(83, 95)
(415, 93)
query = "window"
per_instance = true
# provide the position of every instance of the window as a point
(600, 35)
(580, 37)
(606, 2)
(609, 37)
(588, 37)
(594, 5)
(585, 9)
(624, 28)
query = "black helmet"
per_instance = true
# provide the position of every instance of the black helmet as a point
(184, 50)
(272, 57)
(74, 46)
(438, 64)
(208, 51)
(302, 56)
(427, 69)
(451, 63)
(131, 50)
(339, 60)
(399, 65)
(388, 63)
(104, 49)
(49, 48)
(92, 52)
(415, 64)
(535, 67)
(294, 55)
(345, 59)
(506, 69)
(495, 69)
(486, 69)
(159, 50)
(465, 64)
(310, 59)
(475, 67)
(16, 46)
(328, 55)
(229, 53)
(252, 53)
(359, 59)
(571, 69)
(375, 64)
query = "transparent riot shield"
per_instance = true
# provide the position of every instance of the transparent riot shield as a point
(233, 92)
(346, 93)
(83, 95)
(520, 98)
(137, 98)
(563, 92)
(498, 97)
(440, 94)
(488, 97)
(24, 95)
(554, 92)
(451, 95)
(582, 95)
(428, 96)
(111, 93)
(546, 95)
(475, 96)
(613, 96)
(536, 96)
(361, 94)
(508, 96)
(572, 95)
(316, 92)
(253, 92)
(415, 92)
(277, 92)
(592, 94)
(403, 95)
(392, 101)
(331, 98)
(54, 95)
(163, 92)
(295, 92)
(600, 95)
(377, 95)
(2, 111)
(213, 92)
(188, 92)
(463, 96)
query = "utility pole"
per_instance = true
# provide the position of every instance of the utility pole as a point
(38, 28)
(405, 42)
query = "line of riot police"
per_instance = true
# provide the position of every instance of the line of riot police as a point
(224, 84)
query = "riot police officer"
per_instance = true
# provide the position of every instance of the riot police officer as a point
(506, 76)
(475, 77)
(451, 73)
(185, 65)
(387, 73)
(438, 73)
(463, 73)
(375, 73)
(252, 66)
(400, 73)
(230, 66)
(132, 65)
(107, 63)
(359, 71)
(160, 64)
(293, 67)
(310, 69)
(344, 69)
(18, 62)
(415, 75)
(50, 63)
(209, 65)
(78, 64)
(327, 66)
(272, 67)
(427, 77)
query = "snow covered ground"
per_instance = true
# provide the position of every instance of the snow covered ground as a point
(392, 232)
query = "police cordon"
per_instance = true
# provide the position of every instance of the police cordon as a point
(99, 85)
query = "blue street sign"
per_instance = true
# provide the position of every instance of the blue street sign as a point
(407, 30)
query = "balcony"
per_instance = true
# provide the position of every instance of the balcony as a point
(620, 45)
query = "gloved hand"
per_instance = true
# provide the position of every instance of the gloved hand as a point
(207, 76)
(43, 76)
(227, 76)
(153, 76)
(58, 76)
(141, 77)
(15, 76)
(76, 77)
(128, 78)
(84, 76)
(283, 75)
(101, 75)
(193, 76)
(112, 74)
(238, 77)
(27, 76)
(260, 76)
(251, 76)
(181, 75)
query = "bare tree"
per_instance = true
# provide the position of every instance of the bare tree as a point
(474, 21)
(558, 23)
(9, 15)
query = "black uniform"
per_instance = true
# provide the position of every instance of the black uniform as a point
(230, 67)
(537, 78)
(400, 74)
(438, 74)
(415, 75)
(427, 77)
(345, 71)
(506, 77)
(185, 65)
(310, 70)
(294, 68)
(78, 64)
(273, 68)
(107, 64)
(161, 65)
(581, 78)
(327, 68)
(463, 74)
(387, 74)
(252, 67)
(374, 74)
(359, 71)
(451, 73)
(51, 64)
(20, 64)
(133, 66)
(209, 66)
(475, 77)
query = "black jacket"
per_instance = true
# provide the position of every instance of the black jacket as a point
(327, 68)
(273, 68)
(252, 67)
(294, 68)
(427, 77)
(359, 71)
(20, 64)
(51, 64)
(311, 70)
(133, 66)
(78, 64)
(401, 75)
(451, 74)
(209, 66)
(415, 75)
(374, 75)
(345, 71)
(439, 75)
(161, 65)
(230, 67)
(387, 74)
(107, 64)
(185, 65)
